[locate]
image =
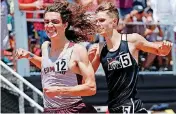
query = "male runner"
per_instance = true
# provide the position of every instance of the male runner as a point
(119, 58)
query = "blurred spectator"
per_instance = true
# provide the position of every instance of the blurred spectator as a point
(35, 26)
(163, 11)
(4, 30)
(11, 4)
(36, 50)
(9, 23)
(136, 15)
(11, 15)
(124, 7)
(140, 2)
(152, 33)
(30, 5)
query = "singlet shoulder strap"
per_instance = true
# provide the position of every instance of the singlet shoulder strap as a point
(71, 47)
(102, 49)
(125, 37)
(45, 48)
(127, 43)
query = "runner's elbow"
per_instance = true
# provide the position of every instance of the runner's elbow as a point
(92, 90)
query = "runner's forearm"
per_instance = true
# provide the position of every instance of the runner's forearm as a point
(36, 60)
(79, 90)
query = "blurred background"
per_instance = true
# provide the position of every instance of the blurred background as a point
(22, 27)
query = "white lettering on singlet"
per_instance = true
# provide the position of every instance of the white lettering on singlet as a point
(121, 61)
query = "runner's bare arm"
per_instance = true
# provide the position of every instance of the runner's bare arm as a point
(159, 48)
(22, 53)
(88, 88)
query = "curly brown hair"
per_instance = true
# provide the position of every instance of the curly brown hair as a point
(79, 25)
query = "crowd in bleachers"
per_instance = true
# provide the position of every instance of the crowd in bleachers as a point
(7, 31)
(130, 11)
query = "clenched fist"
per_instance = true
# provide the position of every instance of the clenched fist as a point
(22, 53)
(165, 48)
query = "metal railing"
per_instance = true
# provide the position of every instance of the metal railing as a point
(21, 93)
(36, 91)
(22, 79)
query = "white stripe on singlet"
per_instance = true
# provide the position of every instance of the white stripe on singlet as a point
(52, 78)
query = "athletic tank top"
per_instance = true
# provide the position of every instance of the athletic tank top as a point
(121, 71)
(57, 73)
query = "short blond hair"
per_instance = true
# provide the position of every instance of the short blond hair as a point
(110, 8)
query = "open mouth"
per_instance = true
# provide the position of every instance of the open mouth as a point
(52, 33)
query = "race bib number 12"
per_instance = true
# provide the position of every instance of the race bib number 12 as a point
(61, 65)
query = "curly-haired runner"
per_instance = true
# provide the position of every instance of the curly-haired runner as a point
(63, 60)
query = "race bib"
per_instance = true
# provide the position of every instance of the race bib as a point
(61, 65)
